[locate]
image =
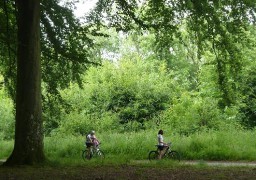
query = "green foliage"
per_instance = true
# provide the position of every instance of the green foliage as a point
(8, 37)
(248, 82)
(5, 148)
(6, 116)
(65, 49)
(220, 27)
(80, 123)
(136, 95)
(133, 91)
(191, 114)
(249, 108)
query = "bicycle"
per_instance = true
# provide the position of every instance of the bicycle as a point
(169, 154)
(91, 152)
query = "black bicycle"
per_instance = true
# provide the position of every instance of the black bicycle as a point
(91, 152)
(169, 154)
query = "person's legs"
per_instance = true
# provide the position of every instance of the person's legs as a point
(159, 151)
(89, 147)
(162, 152)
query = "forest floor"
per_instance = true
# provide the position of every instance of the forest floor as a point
(190, 170)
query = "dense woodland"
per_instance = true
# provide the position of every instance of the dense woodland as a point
(126, 70)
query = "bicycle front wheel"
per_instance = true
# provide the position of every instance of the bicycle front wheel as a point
(173, 155)
(86, 155)
(99, 154)
(153, 155)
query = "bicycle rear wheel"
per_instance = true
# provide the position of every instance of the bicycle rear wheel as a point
(86, 155)
(174, 155)
(153, 155)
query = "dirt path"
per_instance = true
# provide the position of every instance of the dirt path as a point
(127, 172)
(221, 163)
(208, 163)
(195, 162)
(136, 170)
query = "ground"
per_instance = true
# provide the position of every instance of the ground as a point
(133, 172)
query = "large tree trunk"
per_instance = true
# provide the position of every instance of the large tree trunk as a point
(28, 147)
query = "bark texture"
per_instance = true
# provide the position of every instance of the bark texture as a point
(28, 147)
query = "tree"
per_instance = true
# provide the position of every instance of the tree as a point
(65, 52)
(218, 27)
(28, 147)
(65, 55)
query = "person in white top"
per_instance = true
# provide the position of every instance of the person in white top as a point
(91, 140)
(162, 146)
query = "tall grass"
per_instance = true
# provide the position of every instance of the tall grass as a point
(124, 147)
(207, 145)
(219, 145)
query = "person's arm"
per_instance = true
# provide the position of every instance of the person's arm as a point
(165, 144)
(96, 139)
(90, 138)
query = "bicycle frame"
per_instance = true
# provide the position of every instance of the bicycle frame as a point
(92, 151)
(167, 149)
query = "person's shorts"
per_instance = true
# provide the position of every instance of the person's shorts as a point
(88, 144)
(160, 147)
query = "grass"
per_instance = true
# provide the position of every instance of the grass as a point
(122, 148)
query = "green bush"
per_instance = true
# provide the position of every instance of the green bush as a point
(6, 116)
(130, 91)
(191, 113)
(80, 123)
(6, 147)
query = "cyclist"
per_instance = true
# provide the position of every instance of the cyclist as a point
(91, 140)
(162, 146)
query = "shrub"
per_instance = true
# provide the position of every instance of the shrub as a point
(191, 113)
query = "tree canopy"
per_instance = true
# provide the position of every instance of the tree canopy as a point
(65, 44)
(217, 26)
